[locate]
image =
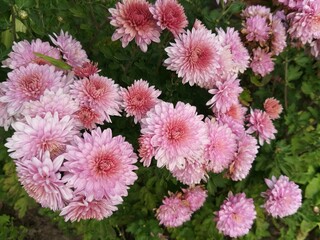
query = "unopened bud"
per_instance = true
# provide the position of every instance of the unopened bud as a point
(60, 19)
(23, 14)
(316, 209)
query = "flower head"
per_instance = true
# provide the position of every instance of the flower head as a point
(195, 196)
(176, 133)
(139, 98)
(283, 198)
(29, 83)
(192, 173)
(256, 29)
(194, 56)
(261, 63)
(133, 20)
(273, 108)
(260, 123)
(146, 150)
(236, 215)
(174, 211)
(82, 207)
(41, 178)
(23, 53)
(279, 36)
(70, 48)
(100, 165)
(39, 134)
(86, 70)
(222, 147)
(99, 93)
(170, 14)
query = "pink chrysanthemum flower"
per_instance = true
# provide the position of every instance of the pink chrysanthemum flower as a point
(71, 49)
(174, 211)
(237, 112)
(170, 14)
(176, 133)
(261, 124)
(225, 93)
(237, 127)
(192, 173)
(100, 165)
(256, 10)
(222, 147)
(240, 55)
(194, 55)
(305, 24)
(246, 154)
(41, 179)
(84, 208)
(273, 108)
(29, 83)
(146, 150)
(195, 196)
(86, 70)
(133, 20)
(279, 36)
(261, 63)
(236, 215)
(23, 53)
(139, 98)
(51, 101)
(283, 198)
(5, 118)
(39, 134)
(256, 29)
(87, 117)
(99, 93)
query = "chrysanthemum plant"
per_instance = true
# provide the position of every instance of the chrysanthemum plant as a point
(164, 126)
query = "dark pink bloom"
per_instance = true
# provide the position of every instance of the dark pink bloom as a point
(273, 108)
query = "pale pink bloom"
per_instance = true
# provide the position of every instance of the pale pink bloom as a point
(305, 24)
(41, 179)
(146, 150)
(315, 48)
(261, 63)
(225, 93)
(100, 165)
(23, 53)
(70, 48)
(279, 36)
(29, 83)
(87, 117)
(133, 20)
(261, 124)
(256, 10)
(192, 173)
(86, 70)
(51, 101)
(174, 211)
(236, 215)
(222, 147)
(283, 198)
(170, 14)
(240, 55)
(83, 208)
(273, 108)
(256, 29)
(176, 133)
(194, 56)
(38, 134)
(195, 196)
(237, 127)
(99, 93)
(139, 98)
(243, 159)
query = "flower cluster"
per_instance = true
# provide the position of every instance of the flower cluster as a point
(265, 35)
(303, 17)
(178, 207)
(81, 173)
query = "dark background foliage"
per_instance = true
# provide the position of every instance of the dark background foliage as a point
(295, 152)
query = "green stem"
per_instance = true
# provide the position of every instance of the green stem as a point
(286, 84)
(13, 23)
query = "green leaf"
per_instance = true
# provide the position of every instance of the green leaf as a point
(55, 62)
(312, 189)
